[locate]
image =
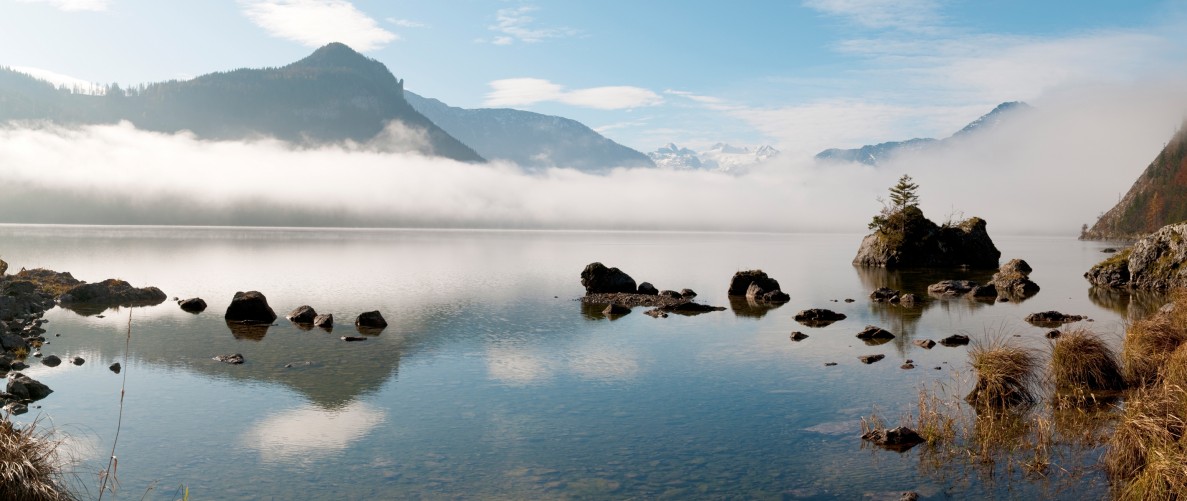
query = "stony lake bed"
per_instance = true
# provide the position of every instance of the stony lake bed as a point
(493, 380)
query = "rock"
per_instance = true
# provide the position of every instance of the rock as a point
(3, 267)
(597, 278)
(324, 321)
(955, 340)
(353, 338)
(757, 294)
(112, 292)
(1154, 262)
(26, 388)
(987, 291)
(687, 293)
(1109, 250)
(872, 332)
(926, 344)
(885, 295)
(1052, 318)
(16, 408)
(648, 289)
(818, 317)
(615, 310)
(11, 341)
(51, 361)
(952, 288)
(115, 367)
(907, 366)
(869, 359)
(1053, 334)
(691, 308)
(1012, 279)
(304, 314)
(370, 320)
(77, 360)
(798, 336)
(829, 364)
(908, 299)
(230, 359)
(741, 281)
(670, 294)
(19, 366)
(909, 496)
(193, 305)
(250, 306)
(849, 300)
(899, 439)
(912, 241)
(656, 313)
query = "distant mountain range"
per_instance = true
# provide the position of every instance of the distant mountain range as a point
(1156, 199)
(719, 157)
(334, 94)
(529, 139)
(873, 154)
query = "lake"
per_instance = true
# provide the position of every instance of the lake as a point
(492, 381)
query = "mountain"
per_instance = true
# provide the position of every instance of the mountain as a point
(333, 95)
(873, 154)
(719, 157)
(1156, 199)
(529, 139)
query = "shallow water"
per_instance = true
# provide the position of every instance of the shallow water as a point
(492, 381)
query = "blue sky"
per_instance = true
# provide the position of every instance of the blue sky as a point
(802, 76)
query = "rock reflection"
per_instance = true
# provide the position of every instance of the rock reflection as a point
(248, 331)
(93, 309)
(1132, 305)
(903, 319)
(310, 433)
(749, 308)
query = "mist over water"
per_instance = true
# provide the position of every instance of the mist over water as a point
(1047, 172)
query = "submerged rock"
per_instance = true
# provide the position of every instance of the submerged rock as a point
(952, 288)
(955, 340)
(192, 305)
(77, 360)
(798, 336)
(353, 338)
(250, 306)
(230, 359)
(818, 317)
(51, 361)
(1052, 318)
(597, 278)
(869, 359)
(898, 439)
(873, 332)
(926, 344)
(615, 310)
(115, 367)
(885, 295)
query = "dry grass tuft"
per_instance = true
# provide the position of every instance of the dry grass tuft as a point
(1081, 360)
(30, 466)
(1006, 374)
(1149, 343)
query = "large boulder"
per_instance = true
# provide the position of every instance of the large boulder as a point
(250, 306)
(910, 240)
(1155, 262)
(1013, 279)
(112, 292)
(597, 278)
(26, 388)
(741, 281)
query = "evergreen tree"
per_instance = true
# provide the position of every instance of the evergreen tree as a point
(903, 195)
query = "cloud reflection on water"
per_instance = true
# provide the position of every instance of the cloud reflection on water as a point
(311, 433)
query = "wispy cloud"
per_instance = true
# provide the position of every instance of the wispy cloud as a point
(317, 22)
(707, 102)
(517, 25)
(528, 91)
(74, 5)
(406, 23)
(906, 15)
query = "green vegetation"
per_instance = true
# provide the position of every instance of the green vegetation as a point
(1157, 198)
(904, 205)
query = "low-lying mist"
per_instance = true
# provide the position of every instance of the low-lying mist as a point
(1047, 172)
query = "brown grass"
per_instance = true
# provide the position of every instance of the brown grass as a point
(1081, 360)
(1006, 374)
(30, 464)
(1149, 343)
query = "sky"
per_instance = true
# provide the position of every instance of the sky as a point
(801, 76)
(1106, 81)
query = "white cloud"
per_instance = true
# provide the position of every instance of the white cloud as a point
(906, 15)
(515, 24)
(406, 23)
(74, 5)
(317, 22)
(528, 91)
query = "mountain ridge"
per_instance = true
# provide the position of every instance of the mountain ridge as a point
(1157, 198)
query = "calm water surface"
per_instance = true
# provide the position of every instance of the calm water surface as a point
(493, 382)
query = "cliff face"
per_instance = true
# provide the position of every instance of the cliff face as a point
(913, 241)
(1157, 198)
